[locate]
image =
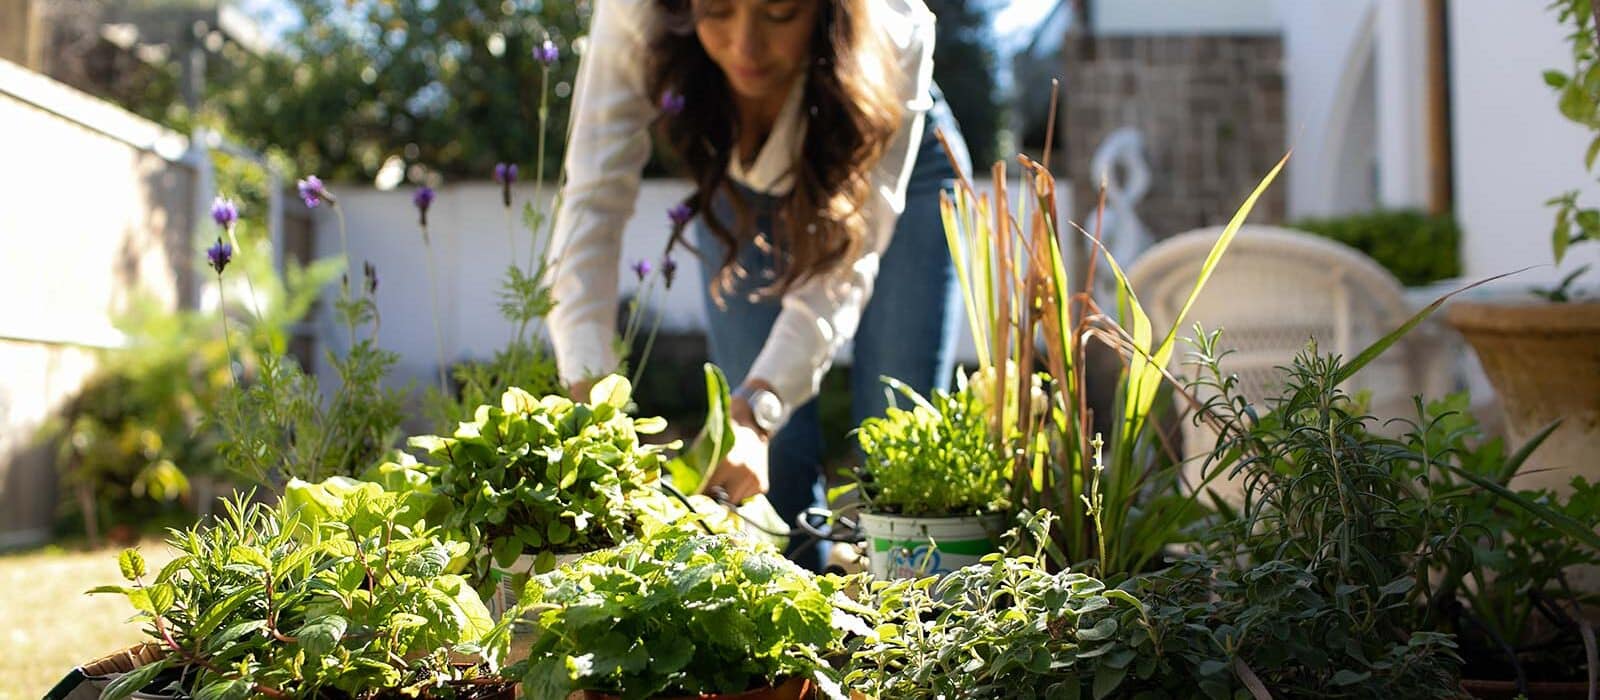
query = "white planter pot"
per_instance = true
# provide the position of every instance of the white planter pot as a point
(504, 596)
(913, 547)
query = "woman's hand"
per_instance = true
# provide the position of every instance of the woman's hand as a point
(743, 473)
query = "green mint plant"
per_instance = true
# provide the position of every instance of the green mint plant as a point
(681, 614)
(936, 458)
(1008, 628)
(340, 601)
(544, 475)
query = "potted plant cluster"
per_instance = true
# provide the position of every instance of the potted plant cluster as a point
(684, 614)
(1539, 354)
(934, 490)
(534, 478)
(351, 599)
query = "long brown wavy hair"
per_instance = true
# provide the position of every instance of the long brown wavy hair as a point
(821, 222)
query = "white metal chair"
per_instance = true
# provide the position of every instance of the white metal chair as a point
(1275, 290)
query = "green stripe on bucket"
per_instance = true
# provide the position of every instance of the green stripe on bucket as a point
(973, 548)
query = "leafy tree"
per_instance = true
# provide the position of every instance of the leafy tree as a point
(450, 85)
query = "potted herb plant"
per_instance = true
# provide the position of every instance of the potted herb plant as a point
(1539, 355)
(934, 488)
(683, 614)
(1008, 627)
(534, 478)
(344, 600)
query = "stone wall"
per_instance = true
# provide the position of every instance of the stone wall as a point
(1210, 108)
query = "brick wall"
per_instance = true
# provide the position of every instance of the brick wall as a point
(1211, 109)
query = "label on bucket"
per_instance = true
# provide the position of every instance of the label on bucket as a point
(915, 559)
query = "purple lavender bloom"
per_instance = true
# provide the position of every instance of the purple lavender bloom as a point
(672, 103)
(312, 192)
(423, 198)
(219, 254)
(642, 269)
(224, 212)
(546, 53)
(680, 214)
(669, 268)
(505, 174)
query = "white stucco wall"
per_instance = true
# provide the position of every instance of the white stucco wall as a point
(1513, 150)
(1328, 50)
(470, 250)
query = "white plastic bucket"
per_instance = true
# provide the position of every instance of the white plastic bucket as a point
(913, 547)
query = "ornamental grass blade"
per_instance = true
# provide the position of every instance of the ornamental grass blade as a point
(712, 444)
(1561, 521)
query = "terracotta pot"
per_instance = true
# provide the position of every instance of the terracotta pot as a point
(796, 688)
(1544, 362)
(1506, 690)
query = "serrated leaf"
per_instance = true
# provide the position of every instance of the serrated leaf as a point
(131, 563)
(139, 598)
(427, 562)
(133, 681)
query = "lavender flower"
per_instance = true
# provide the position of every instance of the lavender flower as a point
(546, 53)
(312, 192)
(642, 269)
(219, 254)
(672, 103)
(680, 215)
(669, 268)
(505, 174)
(224, 212)
(423, 198)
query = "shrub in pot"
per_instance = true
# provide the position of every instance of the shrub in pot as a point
(1008, 627)
(682, 613)
(1539, 354)
(534, 478)
(934, 487)
(349, 599)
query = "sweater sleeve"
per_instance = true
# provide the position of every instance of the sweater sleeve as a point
(606, 152)
(821, 314)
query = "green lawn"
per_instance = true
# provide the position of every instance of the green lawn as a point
(47, 624)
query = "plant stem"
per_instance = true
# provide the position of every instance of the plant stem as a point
(433, 300)
(222, 312)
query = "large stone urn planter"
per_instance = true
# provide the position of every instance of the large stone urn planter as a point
(1544, 362)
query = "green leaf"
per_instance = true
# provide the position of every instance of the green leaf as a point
(320, 636)
(1589, 156)
(1555, 79)
(714, 441)
(161, 597)
(214, 616)
(120, 590)
(1349, 677)
(140, 600)
(427, 562)
(241, 554)
(1371, 352)
(131, 562)
(1106, 681)
(230, 689)
(216, 644)
(613, 391)
(133, 681)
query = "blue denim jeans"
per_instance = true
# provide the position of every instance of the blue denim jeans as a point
(908, 329)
